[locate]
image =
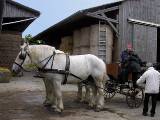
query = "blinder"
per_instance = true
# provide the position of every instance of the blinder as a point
(22, 57)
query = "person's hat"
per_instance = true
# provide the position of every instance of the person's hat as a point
(129, 46)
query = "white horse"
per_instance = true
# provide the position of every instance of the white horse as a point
(81, 67)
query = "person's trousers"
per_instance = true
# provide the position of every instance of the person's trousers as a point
(154, 102)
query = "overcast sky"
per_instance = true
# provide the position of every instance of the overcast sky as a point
(53, 11)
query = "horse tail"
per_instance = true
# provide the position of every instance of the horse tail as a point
(105, 78)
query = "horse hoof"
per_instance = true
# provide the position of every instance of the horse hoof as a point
(78, 101)
(85, 102)
(89, 108)
(97, 110)
(59, 111)
(47, 104)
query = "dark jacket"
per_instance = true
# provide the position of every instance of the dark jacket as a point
(134, 63)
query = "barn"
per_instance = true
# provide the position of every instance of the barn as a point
(16, 18)
(107, 29)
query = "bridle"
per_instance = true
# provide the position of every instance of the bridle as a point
(23, 57)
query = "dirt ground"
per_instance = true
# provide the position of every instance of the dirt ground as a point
(22, 99)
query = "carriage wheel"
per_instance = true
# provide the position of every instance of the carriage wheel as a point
(134, 97)
(109, 90)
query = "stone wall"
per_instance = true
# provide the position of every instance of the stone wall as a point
(9, 48)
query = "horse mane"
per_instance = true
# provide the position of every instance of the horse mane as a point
(43, 49)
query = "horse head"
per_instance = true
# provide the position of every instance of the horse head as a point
(22, 60)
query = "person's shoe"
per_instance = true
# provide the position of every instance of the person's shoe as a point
(144, 114)
(152, 115)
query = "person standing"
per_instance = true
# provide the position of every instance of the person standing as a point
(151, 78)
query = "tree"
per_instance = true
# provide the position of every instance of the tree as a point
(29, 38)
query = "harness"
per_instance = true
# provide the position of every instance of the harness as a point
(65, 72)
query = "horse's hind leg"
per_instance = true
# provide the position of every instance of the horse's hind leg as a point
(79, 93)
(88, 94)
(100, 96)
(92, 100)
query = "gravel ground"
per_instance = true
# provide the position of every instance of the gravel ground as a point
(22, 99)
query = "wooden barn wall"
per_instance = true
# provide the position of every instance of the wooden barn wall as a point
(144, 10)
(145, 44)
(14, 11)
(9, 48)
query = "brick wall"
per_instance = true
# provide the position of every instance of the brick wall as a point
(9, 48)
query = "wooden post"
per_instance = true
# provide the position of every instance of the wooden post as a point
(2, 5)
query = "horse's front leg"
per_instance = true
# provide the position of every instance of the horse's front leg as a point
(50, 99)
(58, 95)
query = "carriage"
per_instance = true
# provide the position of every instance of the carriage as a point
(134, 96)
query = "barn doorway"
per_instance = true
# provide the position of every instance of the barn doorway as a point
(158, 45)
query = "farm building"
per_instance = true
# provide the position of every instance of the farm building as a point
(107, 29)
(16, 18)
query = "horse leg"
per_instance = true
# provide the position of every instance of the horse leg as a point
(49, 91)
(92, 99)
(88, 93)
(79, 93)
(100, 96)
(58, 95)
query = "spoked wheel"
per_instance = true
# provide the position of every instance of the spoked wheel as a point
(109, 90)
(135, 97)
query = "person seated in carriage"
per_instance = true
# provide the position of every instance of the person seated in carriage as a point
(130, 63)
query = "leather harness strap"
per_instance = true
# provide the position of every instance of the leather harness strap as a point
(66, 72)
(66, 69)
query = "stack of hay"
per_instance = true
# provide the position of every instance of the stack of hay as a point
(5, 75)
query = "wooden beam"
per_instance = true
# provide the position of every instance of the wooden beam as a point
(140, 22)
(19, 21)
(107, 10)
(102, 17)
(105, 18)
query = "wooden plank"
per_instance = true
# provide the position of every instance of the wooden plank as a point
(102, 17)
(140, 22)
(113, 69)
(107, 10)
